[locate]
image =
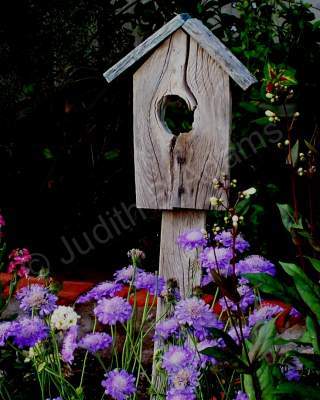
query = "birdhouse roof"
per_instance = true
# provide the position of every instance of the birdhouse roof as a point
(205, 39)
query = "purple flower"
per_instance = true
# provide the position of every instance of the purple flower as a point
(119, 384)
(241, 396)
(69, 344)
(226, 239)
(56, 398)
(111, 311)
(151, 282)
(127, 274)
(293, 372)
(104, 289)
(247, 299)
(205, 359)
(217, 258)
(94, 342)
(206, 279)
(235, 333)
(185, 377)
(183, 394)
(177, 357)
(5, 332)
(27, 332)
(264, 313)
(166, 328)
(192, 239)
(254, 265)
(195, 313)
(37, 298)
(294, 313)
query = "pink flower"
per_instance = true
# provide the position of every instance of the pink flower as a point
(20, 256)
(18, 260)
(2, 221)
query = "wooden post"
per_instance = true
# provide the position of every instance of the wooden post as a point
(175, 262)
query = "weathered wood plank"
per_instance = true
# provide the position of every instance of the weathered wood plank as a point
(145, 47)
(174, 261)
(219, 52)
(176, 172)
(177, 263)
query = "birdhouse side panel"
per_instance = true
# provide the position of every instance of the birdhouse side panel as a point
(176, 171)
(207, 148)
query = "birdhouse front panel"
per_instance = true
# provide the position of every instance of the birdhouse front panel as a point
(176, 170)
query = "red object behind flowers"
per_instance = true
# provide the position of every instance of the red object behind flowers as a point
(284, 320)
(208, 299)
(141, 297)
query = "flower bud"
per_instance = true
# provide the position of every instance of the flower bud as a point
(249, 192)
(270, 113)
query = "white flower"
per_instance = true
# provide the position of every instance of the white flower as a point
(249, 192)
(270, 113)
(63, 318)
(235, 220)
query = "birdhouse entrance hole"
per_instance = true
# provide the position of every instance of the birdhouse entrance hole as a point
(175, 114)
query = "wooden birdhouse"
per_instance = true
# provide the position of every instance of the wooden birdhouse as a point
(174, 172)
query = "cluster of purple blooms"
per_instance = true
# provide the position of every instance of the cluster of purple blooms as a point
(119, 384)
(37, 298)
(182, 359)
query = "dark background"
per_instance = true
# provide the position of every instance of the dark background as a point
(66, 152)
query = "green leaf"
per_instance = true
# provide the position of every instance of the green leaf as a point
(295, 153)
(269, 71)
(47, 153)
(309, 291)
(315, 263)
(264, 340)
(242, 207)
(298, 391)
(249, 106)
(262, 121)
(265, 378)
(265, 282)
(227, 357)
(316, 25)
(112, 155)
(310, 146)
(287, 216)
(312, 333)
